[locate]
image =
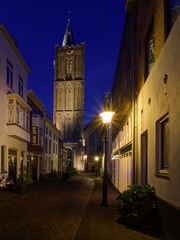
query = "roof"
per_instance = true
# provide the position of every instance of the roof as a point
(36, 100)
(13, 46)
(68, 36)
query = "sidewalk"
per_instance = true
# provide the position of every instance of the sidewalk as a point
(99, 223)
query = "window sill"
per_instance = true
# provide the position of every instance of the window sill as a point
(164, 175)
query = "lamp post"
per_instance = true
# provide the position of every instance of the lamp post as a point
(106, 118)
(96, 164)
(85, 162)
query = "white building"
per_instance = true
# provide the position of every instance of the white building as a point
(145, 97)
(14, 110)
(53, 149)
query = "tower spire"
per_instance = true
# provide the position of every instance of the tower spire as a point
(68, 36)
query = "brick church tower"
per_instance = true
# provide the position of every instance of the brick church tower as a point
(69, 95)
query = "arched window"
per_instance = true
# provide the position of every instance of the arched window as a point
(69, 97)
(60, 96)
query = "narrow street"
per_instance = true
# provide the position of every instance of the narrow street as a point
(63, 210)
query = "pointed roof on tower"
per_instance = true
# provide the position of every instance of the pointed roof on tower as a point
(68, 36)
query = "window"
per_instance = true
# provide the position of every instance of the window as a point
(10, 111)
(53, 147)
(162, 145)
(17, 111)
(56, 148)
(34, 135)
(49, 146)
(40, 136)
(2, 159)
(46, 145)
(20, 87)
(27, 120)
(9, 74)
(149, 51)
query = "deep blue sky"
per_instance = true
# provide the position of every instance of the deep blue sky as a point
(38, 25)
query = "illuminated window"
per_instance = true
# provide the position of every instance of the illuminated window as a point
(149, 51)
(9, 74)
(34, 135)
(10, 111)
(162, 145)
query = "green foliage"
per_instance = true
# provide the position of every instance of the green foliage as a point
(44, 176)
(69, 173)
(73, 171)
(23, 182)
(138, 208)
(66, 176)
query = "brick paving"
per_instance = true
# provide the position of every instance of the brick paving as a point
(51, 211)
(63, 210)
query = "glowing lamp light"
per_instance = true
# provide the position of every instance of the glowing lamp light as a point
(85, 157)
(96, 158)
(106, 116)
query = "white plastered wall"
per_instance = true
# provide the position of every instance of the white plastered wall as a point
(156, 99)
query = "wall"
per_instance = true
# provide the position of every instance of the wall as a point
(163, 98)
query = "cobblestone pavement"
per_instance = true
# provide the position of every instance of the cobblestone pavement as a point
(52, 210)
(63, 210)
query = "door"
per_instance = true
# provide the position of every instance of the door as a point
(144, 158)
(12, 164)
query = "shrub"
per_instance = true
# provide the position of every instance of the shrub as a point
(138, 208)
(23, 182)
(44, 176)
(73, 171)
(65, 176)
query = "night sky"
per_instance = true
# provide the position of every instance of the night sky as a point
(38, 25)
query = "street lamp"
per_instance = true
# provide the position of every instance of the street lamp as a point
(96, 158)
(85, 162)
(106, 118)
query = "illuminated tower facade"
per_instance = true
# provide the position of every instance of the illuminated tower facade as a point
(69, 94)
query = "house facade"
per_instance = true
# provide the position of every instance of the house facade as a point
(35, 146)
(53, 149)
(45, 150)
(146, 100)
(15, 112)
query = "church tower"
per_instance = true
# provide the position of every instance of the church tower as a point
(69, 94)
